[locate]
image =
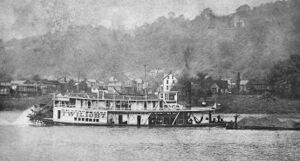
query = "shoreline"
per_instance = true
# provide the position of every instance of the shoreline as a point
(21, 103)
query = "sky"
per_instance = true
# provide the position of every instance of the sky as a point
(24, 18)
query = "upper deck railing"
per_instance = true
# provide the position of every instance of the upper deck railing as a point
(107, 96)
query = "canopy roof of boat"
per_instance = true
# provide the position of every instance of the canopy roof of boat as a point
(111, 97)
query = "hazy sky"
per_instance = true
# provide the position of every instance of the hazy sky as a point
(23, 18)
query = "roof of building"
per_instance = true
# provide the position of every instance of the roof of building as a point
(244, 82)
(49, 82)
(139, 80)
(258, 81)
(5, 84)
(170, 73)
(221, 83)
(115, 84)
(92, 80)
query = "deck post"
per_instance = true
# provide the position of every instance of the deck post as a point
(209, 117)
(128, 105)
(183, 120)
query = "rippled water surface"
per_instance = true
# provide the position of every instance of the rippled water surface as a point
(25, 143)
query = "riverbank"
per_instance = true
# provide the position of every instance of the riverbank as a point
(257, 104)
(23, 103)
(241, 104)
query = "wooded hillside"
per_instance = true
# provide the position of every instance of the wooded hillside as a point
(249, 41)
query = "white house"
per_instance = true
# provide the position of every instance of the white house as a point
(168, 82)
(243, 86)
(165, 92)
(91, 83)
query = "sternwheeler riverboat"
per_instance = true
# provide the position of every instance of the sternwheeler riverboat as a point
(124, 110)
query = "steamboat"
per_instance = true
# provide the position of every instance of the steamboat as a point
(124, 110)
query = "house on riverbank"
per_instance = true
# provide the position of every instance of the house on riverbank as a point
(219, 87)
(5, 89)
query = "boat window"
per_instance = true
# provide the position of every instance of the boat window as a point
(89, 104)
(107, 104)
(64, 103)
(171, 97)
(75, 118)
(72, 101)
(86, 119)
(97, 120)
(58, 114)
(166, 96)
(118, 105)
(129, 106)
(56, 103)
(82, 119)
(95, 104)
(90, 120)
(79, 119)
(84, 104)
(124, 105)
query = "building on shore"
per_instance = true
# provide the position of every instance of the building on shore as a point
(219, 87)
(165, 91)
(5, 88)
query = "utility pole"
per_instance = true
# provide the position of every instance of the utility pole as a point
(157, 70)
(78, 81)
(145, 66)
(238, 82)
(36, 89)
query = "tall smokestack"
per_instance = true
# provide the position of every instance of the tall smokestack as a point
(238, 82)
(187, 76)
(188, 87)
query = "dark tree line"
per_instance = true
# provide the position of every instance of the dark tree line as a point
(199, 88)
(285, 77)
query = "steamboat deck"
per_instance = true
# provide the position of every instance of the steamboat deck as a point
(130, 111)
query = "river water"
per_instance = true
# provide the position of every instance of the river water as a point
(21, 142)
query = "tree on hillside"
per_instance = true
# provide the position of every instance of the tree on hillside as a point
(286, 74)
(83, 86)
(203, 82)
(188, 55)
(62, 75)
(6, 67)
(36, 77)
(200, 87)
(218, 45)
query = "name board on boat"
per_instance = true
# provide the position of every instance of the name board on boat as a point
(99, 114)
